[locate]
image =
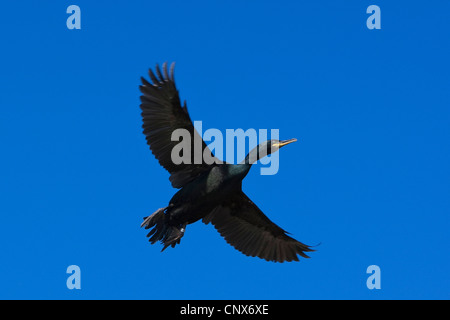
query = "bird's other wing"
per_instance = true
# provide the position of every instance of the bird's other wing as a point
(162, 113)
(247, 228)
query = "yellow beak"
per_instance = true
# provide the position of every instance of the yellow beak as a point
(285, 142)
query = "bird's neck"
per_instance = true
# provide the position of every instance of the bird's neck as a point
(252, 156)
(244, 166)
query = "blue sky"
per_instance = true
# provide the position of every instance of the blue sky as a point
(368, 179)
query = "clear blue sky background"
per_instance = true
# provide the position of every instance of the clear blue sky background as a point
(369, 178)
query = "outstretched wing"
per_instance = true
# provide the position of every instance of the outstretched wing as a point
(162, 113)
(247, 228)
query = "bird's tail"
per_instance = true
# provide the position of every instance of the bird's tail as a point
(167, 234)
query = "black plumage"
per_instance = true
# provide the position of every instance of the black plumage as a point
(210, 192)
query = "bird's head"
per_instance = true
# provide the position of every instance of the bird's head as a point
(266, 148)
(275, 145)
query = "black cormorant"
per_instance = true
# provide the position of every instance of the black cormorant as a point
(211, 192)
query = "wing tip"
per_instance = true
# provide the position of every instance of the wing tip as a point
(159, 77)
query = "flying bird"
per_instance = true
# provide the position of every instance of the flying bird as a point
(210, 192)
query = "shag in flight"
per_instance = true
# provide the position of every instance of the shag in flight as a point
(211, 192)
